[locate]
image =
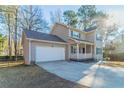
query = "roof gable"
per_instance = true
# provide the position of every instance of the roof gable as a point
(75, 29)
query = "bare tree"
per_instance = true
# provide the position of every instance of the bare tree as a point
(16, 14)
(10, 19)
(6, 14)
(56, 16)
(32, 19)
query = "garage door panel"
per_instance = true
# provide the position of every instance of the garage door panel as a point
(49, 54)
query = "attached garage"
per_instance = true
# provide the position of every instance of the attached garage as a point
(44, 54)
(42, 47)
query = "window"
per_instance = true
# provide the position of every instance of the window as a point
(98, 51)
(75, 34)
(98, 37)
(73, 49)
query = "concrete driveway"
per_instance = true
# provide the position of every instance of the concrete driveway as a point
(88, 74)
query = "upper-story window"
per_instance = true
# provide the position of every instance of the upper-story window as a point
(75, 34)
(98, 37)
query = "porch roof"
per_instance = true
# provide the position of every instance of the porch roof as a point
(82, 41)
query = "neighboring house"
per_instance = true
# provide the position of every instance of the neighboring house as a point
(63, 43)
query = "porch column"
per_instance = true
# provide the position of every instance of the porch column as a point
(85, 50)
(77, 51)
(91, 50)
(69, 51)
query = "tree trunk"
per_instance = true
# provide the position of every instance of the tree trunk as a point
(9, 41)
(15, 35)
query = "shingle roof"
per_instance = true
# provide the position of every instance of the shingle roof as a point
(82, 40)
(42, 36)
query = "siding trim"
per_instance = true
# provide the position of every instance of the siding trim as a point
(45, 41)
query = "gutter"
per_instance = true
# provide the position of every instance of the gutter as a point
(30, 39)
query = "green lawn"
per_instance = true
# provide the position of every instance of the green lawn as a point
(31, 77)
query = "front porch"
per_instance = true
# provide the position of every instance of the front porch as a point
(81, 51)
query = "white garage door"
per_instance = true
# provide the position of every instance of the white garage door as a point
(49, 54)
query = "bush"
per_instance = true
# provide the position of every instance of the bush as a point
(7, 58)
(106, 59)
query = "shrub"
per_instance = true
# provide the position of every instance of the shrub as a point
(7, 58)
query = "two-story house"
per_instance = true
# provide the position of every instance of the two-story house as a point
(63, 43)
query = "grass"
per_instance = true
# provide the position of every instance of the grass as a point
(23, 76)
(114, 64)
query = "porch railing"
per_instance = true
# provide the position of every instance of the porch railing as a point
(81, 56)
